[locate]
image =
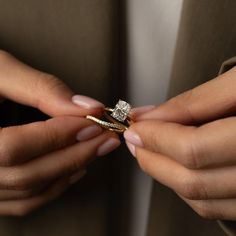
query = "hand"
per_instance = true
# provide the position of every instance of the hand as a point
(188, 144)
(39, 161)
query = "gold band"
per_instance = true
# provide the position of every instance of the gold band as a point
(119, 128)
(118, 121)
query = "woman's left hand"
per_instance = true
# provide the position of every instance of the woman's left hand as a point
(189, 145)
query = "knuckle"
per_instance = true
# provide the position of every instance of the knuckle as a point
(6, 158)
(51, 135)
(47, 85)
(4, 55)
(48, 82)
(191, 187)
(181, 102)
(17, 179)
(75, 164)
(8, 154)
(190, 152)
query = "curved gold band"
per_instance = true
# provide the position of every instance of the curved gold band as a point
(117, 119)
(119, 128)
(113, 125)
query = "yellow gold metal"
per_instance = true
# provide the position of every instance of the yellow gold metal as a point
(112, 124)
(119, 128)
(127, 123)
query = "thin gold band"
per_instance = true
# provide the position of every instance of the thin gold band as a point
(119, 128)
(116, 119)
(113, 125)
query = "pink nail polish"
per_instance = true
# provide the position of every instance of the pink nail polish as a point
(131, 148)
(133, 138)
(107, 147)
(89, 132)
(86, 102)
(77, 176)
(140, 110)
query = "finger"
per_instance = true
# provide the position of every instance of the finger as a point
(166, 171)
(56, 164)
(22, 143)
(74, 178)
(207, 102)
(206, 146)
(192, 184)
(25, 206)
(6, 195)
(214, 183)
(170, 139)
(221, 209)
(28, 86)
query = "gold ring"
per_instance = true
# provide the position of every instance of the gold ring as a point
(127, 122)
(119, 128)
(119, 119)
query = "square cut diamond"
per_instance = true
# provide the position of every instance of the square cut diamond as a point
(121, 111)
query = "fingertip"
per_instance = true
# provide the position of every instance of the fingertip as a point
(86, 102)
(159, 113)
(89, 132)
(138, 111)
(108, 146)
(110, 141)
(84, 106)
(131, 148)
(132, 137)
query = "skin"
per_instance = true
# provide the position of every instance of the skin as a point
(39, 160)
(192, 136)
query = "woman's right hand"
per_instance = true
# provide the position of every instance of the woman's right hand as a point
(39, 161)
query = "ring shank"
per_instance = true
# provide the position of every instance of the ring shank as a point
(119, 128)
(113, 124)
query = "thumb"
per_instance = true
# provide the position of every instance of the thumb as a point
(28, 86)
(209, 101)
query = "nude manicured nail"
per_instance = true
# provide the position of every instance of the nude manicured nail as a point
(89, 132)
(77, 176)
(107, 147)
(133, 138)
(140, 110)
(86, 102)
(131, 148)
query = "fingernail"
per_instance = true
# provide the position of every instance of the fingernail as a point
(77, 176)
(88, 132)
(110, 145)
(140, 110)
(86, 102)
(131, 148)
(133, 138)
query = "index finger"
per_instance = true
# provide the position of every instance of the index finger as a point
(56, 164)
(209, 101)
(194, 147)
(28, 86)
(23, 143)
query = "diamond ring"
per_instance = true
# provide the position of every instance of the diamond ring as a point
(118, 118)
(121, 111)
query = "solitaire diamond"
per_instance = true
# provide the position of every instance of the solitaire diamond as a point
(121, 111)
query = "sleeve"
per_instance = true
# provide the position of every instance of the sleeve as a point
(228, 226)
(227, 65)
